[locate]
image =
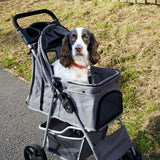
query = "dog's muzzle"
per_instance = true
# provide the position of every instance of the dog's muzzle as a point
(79, 49)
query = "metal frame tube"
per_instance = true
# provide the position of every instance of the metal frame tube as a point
(132, 148)
(48, 122)
(86, 136)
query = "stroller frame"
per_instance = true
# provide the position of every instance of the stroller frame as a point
(35, 151)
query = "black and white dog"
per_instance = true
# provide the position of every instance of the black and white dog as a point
(78, 52)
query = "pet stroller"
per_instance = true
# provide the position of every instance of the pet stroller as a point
(78, 114)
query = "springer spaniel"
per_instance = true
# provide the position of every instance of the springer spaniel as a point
(78, 52)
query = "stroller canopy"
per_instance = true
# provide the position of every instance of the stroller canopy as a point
(40, 94)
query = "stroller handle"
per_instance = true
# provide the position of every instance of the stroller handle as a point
(31, 34)
(27, 14)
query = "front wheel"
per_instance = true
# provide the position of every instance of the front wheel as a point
(34, 152)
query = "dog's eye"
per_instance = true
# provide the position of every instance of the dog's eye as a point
(73, 38)
(85, 38)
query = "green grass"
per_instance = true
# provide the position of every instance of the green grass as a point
(128, 37)
(130, 28)
(9, 62)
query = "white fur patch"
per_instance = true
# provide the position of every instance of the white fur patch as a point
(79, 41)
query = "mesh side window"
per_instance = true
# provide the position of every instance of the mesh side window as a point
(110, 107)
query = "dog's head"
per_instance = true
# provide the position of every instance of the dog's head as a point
(79, 43)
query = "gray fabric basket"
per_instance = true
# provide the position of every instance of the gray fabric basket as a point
(96, 104)
(114, 146)
(68, 142)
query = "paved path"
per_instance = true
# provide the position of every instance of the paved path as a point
(18, 124)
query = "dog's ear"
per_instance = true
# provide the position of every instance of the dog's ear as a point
(93, 46)
(65, 54)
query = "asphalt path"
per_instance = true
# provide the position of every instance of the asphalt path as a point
(19, 125)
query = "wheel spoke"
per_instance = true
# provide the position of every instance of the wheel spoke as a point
(29, 152)
(36, 152)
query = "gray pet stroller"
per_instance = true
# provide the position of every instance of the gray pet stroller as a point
(78, 114)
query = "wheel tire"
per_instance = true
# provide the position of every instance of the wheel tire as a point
(138, 155)
(130, 156)
(34, 152)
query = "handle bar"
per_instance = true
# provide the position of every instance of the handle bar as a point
(26, 14)
(31, 34)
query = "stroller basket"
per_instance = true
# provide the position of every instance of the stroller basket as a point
(68, 142)
(100, 102)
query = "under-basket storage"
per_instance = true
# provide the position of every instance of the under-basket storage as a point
(68, 142)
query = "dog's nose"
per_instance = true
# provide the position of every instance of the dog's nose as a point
(78, 48)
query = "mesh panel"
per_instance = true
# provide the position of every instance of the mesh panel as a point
(64, 147)
(110, 107)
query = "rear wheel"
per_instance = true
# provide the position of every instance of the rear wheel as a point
(34, 152)
(130, 155)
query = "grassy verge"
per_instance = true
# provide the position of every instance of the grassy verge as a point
(128, 36)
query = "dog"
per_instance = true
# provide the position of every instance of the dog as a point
(78, 53)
